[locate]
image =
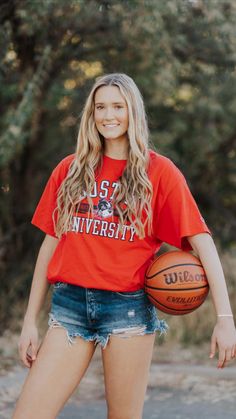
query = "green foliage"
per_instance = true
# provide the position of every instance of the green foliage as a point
(182, 55)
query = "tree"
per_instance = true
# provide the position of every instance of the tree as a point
(182, 56)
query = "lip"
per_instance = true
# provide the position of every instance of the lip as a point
(110, 125)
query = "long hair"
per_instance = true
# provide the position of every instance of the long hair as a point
(134, 187)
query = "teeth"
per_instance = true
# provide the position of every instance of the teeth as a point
(109, 125)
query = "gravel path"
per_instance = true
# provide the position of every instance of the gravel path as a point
(175, 391)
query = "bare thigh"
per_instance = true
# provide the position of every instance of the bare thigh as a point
(126, 363)
(56, 372)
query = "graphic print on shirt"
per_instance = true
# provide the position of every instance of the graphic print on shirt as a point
(102, 209)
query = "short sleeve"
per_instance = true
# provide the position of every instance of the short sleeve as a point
(179, 215)
(42, 217)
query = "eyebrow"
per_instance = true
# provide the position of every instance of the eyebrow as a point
(114, 103)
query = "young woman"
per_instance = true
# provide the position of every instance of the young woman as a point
(106, 210)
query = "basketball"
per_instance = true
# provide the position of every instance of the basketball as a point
(176, 282)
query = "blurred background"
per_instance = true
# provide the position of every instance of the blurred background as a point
(181, 54)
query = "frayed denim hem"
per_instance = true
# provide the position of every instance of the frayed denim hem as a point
(160, 326)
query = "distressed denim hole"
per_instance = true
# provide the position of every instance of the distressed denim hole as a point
(129, 331)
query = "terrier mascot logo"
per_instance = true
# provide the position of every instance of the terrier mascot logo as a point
(104, 208)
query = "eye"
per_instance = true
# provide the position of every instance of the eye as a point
(118, 106)
(99, 107)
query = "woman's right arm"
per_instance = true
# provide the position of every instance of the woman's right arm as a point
(38, 292)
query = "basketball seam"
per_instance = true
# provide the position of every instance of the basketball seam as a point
(173, 266)
(177, 289)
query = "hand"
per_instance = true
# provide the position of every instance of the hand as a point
(224, 336)
(28, 344)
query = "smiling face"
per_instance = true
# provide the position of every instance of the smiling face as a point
(111, 113)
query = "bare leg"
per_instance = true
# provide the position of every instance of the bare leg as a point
(54, 375)
(126, 364)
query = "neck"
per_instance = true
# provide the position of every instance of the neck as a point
(116, 150)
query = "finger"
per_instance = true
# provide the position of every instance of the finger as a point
(213, 347)
(221, 359)
(34, 350)
(228, 354)
(233, 352)
(25, 362)
(30, 361)
(22, 349)
(221, 363)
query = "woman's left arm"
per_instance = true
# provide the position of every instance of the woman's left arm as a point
(224, 333)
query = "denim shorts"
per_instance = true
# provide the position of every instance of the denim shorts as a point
(95, 314)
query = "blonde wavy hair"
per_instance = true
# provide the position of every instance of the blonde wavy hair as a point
(134, 187)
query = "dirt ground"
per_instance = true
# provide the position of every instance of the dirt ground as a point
(180, 378)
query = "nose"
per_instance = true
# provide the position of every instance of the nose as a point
(108, 114)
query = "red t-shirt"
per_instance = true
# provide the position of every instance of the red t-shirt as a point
(93, 253)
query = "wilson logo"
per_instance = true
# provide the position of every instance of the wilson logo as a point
(183, 277)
